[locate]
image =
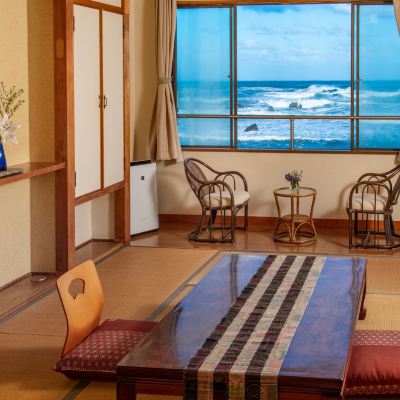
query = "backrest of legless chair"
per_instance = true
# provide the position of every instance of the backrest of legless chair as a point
(83, 312)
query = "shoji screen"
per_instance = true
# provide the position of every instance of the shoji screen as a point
(87, 91)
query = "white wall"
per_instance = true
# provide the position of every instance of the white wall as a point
(95, 220)
(331, 174)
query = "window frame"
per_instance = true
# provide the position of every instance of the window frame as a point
(354, 118)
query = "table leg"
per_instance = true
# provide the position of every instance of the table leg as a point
(126, 389)
(363, 310)
(292, 222)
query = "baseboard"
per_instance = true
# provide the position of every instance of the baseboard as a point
(13, 282)
(22, 292)
(258, 221)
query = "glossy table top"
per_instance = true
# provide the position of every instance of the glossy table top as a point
(319, 349)
(299, 192)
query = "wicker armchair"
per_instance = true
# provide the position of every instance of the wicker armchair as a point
(373, 198)
(222, 197)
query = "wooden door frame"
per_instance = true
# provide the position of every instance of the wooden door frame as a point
(65, 131)
(122, 196)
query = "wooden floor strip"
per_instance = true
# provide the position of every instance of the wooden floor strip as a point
(76, 391)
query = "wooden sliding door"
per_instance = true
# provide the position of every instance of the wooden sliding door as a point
(113, 87)
(91, 62)
(87, 100)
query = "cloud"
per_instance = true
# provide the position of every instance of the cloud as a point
(250, 44)
(303, 40)
(341, 8)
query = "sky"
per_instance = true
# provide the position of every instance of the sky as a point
(288, 42)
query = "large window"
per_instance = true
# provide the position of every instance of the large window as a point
(289, 77)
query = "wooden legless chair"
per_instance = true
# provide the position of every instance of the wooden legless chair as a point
(83, 312)
(92, 350)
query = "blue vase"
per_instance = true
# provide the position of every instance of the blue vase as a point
(3, 161)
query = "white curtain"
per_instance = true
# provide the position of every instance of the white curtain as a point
(396, 4)
(164, 140)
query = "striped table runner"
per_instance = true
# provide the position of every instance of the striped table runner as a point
(241, 359)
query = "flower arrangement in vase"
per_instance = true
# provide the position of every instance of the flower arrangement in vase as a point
(294, 177)
(10, 102)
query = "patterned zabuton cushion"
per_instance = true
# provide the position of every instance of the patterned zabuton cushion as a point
(98, 355)
(375, 364)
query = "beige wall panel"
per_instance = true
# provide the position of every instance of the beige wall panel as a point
(41, 80)
(15, 239)
(117, 3)
(143, 73)
(14, 69)
(41, 132)
(15, 198)
(331, 174)
(43, 224)
(95, 220)
(103, 217)
(83, 223)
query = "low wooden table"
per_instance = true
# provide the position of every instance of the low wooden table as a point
(295, 221)
(317, 359)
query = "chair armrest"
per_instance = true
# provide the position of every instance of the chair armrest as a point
(383, 179)
(371, 175)
(380, 178)
(365, 184)
(226, 174)
(211, 185)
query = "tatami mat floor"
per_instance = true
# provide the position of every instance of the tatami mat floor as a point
(140, 283)
(137, 285)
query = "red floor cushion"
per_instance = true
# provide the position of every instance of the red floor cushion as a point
(98, 355)
(375, 364)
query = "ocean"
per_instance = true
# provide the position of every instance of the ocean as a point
(282, 98)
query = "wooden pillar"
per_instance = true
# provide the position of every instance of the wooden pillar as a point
(122, 196)
(64, 134)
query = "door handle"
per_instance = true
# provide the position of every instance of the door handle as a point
(105, 101)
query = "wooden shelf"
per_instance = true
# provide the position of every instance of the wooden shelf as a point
(32, 169)
(99, 193)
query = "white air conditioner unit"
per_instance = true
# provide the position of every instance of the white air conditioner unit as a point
(144, 201)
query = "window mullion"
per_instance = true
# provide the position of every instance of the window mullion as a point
(358, 77)
(235, 77)
(352, 77)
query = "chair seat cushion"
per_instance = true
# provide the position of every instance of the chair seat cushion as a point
(239, 197)
(98, 355)
(367, 202)
(375, 364)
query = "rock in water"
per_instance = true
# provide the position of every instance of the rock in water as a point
(294, 104)
(252, 128)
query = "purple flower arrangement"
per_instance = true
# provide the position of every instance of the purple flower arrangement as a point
(294, 177)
